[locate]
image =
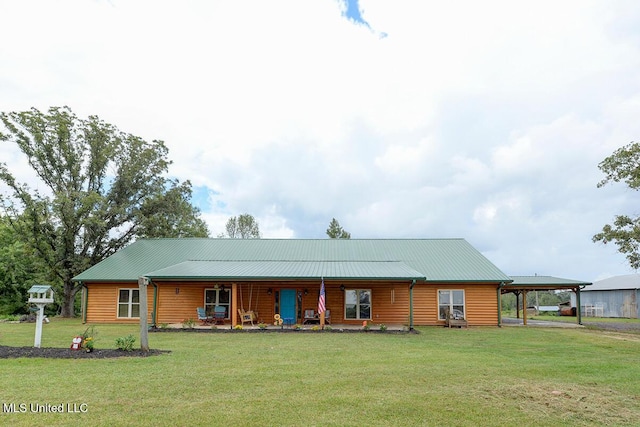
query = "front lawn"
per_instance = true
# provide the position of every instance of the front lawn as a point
(454, 377)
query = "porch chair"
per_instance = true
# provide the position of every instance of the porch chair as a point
(309, 316)
(246, 316)
(219, 313)
(202, 316)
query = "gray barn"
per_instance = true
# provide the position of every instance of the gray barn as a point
(613, 297)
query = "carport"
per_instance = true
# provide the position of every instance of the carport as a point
(523, 284)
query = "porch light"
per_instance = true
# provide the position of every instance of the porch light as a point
(342, 288)
(306, 292)
(269, 291)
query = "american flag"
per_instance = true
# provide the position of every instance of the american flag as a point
(321, 301)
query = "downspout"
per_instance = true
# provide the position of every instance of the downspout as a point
(413, 283)
(500, 286)
(154, 313)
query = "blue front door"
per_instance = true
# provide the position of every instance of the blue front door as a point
(288, 304)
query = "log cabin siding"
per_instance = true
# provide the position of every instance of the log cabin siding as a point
(102, 302)
(425, 305)
(481, 303)
(177, 301)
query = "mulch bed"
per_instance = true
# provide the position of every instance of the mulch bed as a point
(67, 353)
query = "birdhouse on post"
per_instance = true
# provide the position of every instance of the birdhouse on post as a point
(40, 295)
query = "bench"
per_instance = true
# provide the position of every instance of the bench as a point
(452, 321)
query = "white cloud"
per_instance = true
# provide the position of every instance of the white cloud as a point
(483, 120)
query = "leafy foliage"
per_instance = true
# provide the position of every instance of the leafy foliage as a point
(19, 269)
(623, 165)
(335, 231)
(244, 226)
(102, 189)
(125, 343)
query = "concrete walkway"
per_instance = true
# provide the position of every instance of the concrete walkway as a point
(510, 321)
(271, 327)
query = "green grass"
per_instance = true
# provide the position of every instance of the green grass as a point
(585, 320)
(454, 377)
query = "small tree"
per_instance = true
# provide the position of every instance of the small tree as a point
(335, 231)
(244, 226)
(623, 165)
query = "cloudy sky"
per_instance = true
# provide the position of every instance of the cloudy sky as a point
(409, 118)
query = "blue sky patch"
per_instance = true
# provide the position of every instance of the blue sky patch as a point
(353, 12)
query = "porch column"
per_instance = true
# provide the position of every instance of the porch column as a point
(578, 304)
(500, 304)
(234, 304)
(413, 283)
(524, 308)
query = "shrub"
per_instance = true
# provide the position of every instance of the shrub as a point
(88, 338)
(125, 343)
(188, 323)
(262, 325)
(383, 327)
(238, 327)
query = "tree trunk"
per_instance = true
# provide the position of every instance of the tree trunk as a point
(68, 299)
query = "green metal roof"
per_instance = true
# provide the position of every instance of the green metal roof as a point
(39, 289)
(444, 260)
(545, 281)
(221, 270)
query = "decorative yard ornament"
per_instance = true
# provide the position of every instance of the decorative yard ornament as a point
(76, 343)
(40, 295)
(277, 320)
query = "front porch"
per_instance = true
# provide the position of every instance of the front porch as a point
(295, 327)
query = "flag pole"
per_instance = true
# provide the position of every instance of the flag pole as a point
(322, 304)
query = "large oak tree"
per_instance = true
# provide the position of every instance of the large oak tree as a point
(97, 189)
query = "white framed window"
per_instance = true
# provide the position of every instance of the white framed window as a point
(357, 304)
(452, 300)
(217, 296)
(128, 303)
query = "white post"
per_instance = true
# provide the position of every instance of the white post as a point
(39, 326)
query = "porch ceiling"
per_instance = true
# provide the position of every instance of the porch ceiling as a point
(265, 270)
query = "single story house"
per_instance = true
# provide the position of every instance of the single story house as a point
(391, 281)
(616, 296)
